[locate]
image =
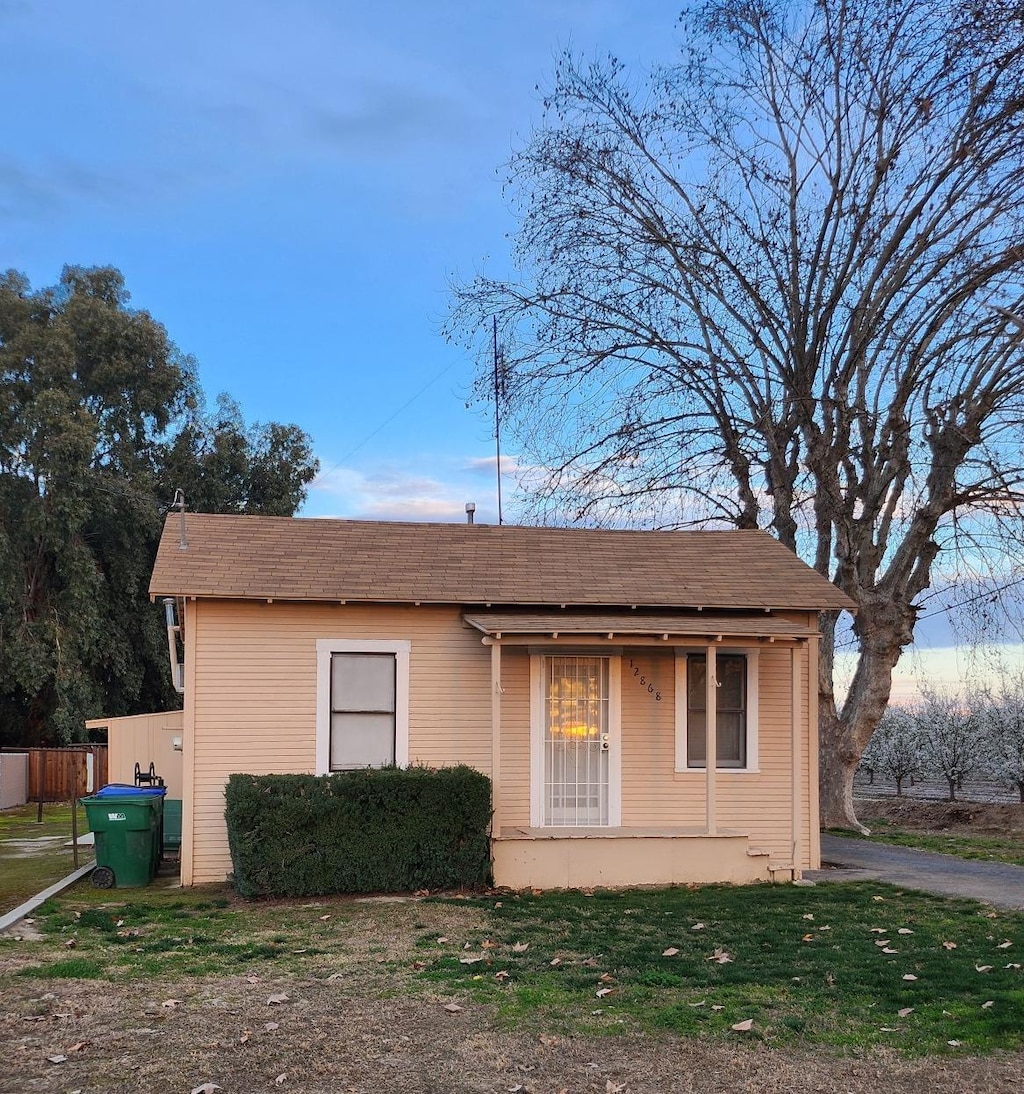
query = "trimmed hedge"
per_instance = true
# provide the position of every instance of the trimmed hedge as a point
(377, 830)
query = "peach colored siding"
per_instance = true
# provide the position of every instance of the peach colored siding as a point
(251, 684)
(254, 697)
(144, 739)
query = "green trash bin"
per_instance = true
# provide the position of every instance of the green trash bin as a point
(126, 824)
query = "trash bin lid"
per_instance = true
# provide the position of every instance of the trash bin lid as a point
(126, 790)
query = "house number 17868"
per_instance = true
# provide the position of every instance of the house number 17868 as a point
(642, 680)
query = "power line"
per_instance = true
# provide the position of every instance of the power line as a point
(383, 425)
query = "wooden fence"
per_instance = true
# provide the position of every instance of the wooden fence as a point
(64, 773)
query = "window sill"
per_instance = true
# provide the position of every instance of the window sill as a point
(699, 771)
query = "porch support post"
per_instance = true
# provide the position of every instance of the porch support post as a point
(711, 735)
(796, 726)
(495, 738)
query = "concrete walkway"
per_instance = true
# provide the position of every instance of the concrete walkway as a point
(996, 883)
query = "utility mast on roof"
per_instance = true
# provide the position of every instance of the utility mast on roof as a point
(498, 392)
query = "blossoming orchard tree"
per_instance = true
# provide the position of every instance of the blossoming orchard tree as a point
(776, 285)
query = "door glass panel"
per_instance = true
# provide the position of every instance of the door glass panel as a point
(576, 741)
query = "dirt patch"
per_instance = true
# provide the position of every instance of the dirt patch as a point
(978, 818)
(329, 1036)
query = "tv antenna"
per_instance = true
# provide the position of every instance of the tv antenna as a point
(497, 413)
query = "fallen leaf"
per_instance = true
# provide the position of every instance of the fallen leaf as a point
(442, 940)
(340, 975)
(56, 1059)
(889, 949)
(281, 1078)
(34, 1018)
(983, 968)
(826, 927)
(606, 978)
(417, 966)
(1004, 945)
(889, 1029)
(807, 938)
(697, 927)
(252, 979)
(471, 959)
(324, 918)
(702, 1003)
(119, 923)
(277, 998)
(547, 1039)
(246, 1034)
(904, 930)
(904, 1011)
(1012, 965)
(555, 961)
(723, 957)
(170, 1004)
(909, 976)
(954, 1044)
(206, 1088)
(488, 944)
(878, 930)
(988, 1003)
(453, 1008)
(78, 1046)
(271, 1026)
(949, 945)
(830, 978)
(744, 1026)
(602, 992)
(670, 952)
(71, 943)
(520, 947)
(717, 1006)
(878, 899)
(503, 975)
(614, 1088)
(883, 942)
(807, 915)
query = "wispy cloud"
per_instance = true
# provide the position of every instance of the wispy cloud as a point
(404, 492)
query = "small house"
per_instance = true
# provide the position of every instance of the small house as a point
(590, 673)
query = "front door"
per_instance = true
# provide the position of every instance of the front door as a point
(576, 740)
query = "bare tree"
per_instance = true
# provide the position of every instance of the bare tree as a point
(762, 287)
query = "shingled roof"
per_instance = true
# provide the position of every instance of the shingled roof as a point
(281, 558)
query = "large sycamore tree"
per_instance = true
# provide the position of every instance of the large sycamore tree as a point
(775, 285)
(101, 421)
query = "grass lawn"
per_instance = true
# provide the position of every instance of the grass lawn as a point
(804, 966)
(988, 848)
(33, 855)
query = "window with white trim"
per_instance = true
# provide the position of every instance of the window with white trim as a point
(735, 711)
(362, 704)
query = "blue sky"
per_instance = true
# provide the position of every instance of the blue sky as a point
(289, 188)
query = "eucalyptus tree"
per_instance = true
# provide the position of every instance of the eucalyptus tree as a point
(776, 284)
(101, 418)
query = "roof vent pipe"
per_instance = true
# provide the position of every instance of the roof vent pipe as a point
(173, 630)
(470, 510)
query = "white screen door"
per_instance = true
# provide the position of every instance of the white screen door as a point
(576, 740)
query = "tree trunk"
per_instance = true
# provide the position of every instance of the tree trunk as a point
(899, 788)
(838, 764)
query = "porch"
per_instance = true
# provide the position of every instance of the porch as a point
(574, 858)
